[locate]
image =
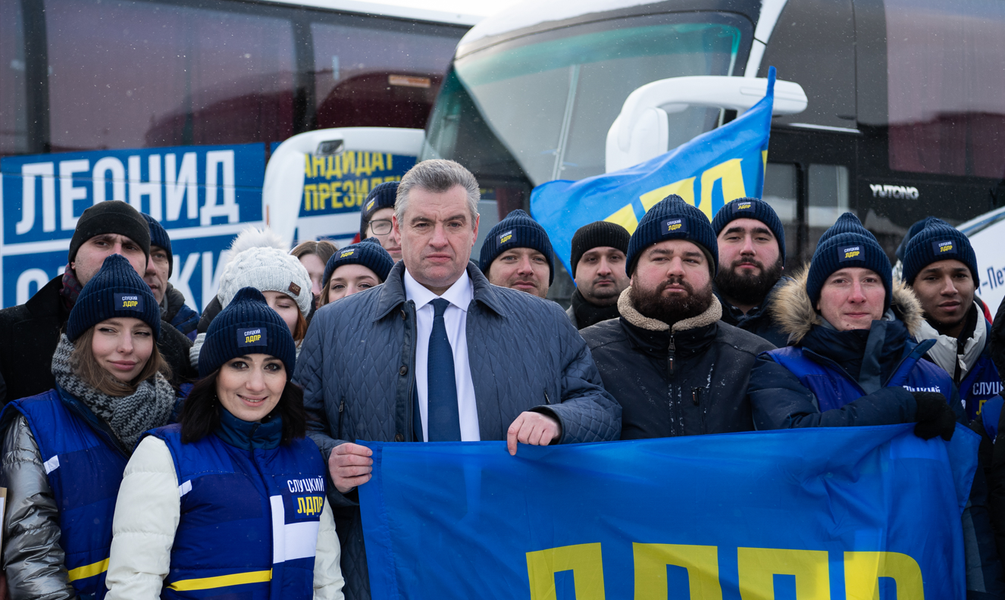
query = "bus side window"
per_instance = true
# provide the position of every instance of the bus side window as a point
(782, 193)
(828, 191)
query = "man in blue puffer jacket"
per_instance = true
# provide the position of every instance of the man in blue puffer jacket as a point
(437, 353)
(853, 363)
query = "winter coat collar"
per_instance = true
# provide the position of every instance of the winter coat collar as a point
(392, 292)
(626, 306)
(795, 314)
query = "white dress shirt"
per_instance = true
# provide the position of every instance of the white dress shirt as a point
(455, 319)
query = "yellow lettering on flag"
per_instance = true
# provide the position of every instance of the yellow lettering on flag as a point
(756, 568)
(862, 571)
(585, 562)
(701, 562)
(683, 188)
(732, 184)
(625, 216)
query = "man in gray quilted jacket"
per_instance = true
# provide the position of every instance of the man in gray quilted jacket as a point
(437, 353)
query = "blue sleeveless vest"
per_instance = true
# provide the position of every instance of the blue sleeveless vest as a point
(982, 382)
(84, 468)
(249, 519)
(833, 387)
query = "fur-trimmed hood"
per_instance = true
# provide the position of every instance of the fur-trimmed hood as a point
(795, 314)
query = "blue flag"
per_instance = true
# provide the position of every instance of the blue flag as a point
(820, 513)
(714, 168)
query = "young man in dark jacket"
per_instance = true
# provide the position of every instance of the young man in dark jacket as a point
(674, 367)
(598, 266)
(752, 250)
(941, 268)
(30, 331)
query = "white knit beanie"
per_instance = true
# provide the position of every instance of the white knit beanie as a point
(267, 270)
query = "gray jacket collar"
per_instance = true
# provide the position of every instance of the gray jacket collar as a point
(392, 292)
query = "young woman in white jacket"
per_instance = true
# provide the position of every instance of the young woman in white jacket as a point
(231, 500)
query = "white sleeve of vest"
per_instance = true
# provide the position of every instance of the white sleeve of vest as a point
(143, 528)
(328, 579)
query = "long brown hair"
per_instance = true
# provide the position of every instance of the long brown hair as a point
(200, 414)
(86, 367)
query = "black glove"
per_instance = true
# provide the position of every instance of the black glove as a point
(934, 416)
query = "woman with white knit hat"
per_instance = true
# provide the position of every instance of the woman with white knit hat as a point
(281, 278)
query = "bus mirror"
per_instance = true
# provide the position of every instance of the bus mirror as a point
(640, 132)
(283, 188)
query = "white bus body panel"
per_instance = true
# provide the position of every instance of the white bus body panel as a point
(283, 189)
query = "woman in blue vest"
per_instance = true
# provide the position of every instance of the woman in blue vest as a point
(65, 450)
(230, 502)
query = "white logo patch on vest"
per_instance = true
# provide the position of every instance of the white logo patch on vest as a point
(291, 541)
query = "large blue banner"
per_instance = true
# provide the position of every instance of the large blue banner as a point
(712, 169)
(856, 513)
(202, 195)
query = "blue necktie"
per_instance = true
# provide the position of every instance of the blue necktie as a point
(444, 423)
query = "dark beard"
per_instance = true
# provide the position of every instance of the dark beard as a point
(748, 289)
(670, 310)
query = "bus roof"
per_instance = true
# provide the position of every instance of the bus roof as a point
(533, 15)
(388, 10)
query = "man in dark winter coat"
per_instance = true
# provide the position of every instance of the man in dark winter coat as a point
(941, 268)
(751, 243)
(437, 353)
(674, 367)
(598, 266)
(106, 228)
(159, 268)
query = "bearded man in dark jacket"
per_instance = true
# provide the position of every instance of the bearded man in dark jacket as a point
(674, 367)
(30, 331)
(751, 243)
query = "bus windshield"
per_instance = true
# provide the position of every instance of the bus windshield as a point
(538, 107)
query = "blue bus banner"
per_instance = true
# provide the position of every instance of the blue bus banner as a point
(855, 512)
(202, 195)
(710, 170)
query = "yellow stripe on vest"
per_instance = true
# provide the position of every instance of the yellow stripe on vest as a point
(207, 583)
(88, 570)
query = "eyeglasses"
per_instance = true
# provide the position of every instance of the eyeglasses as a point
(380, 226)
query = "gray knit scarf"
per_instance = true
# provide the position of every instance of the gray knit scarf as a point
(127, 416)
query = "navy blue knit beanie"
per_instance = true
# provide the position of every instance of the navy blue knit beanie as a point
(913, 231)
(673, 218)
(247, 326)
(846, 223)
(368, 253)
(115, 291)
(854, 247)
(159, 237)
(751, 208)
(381, 196)
(517, 230)
(937, 241)
(595, 235)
